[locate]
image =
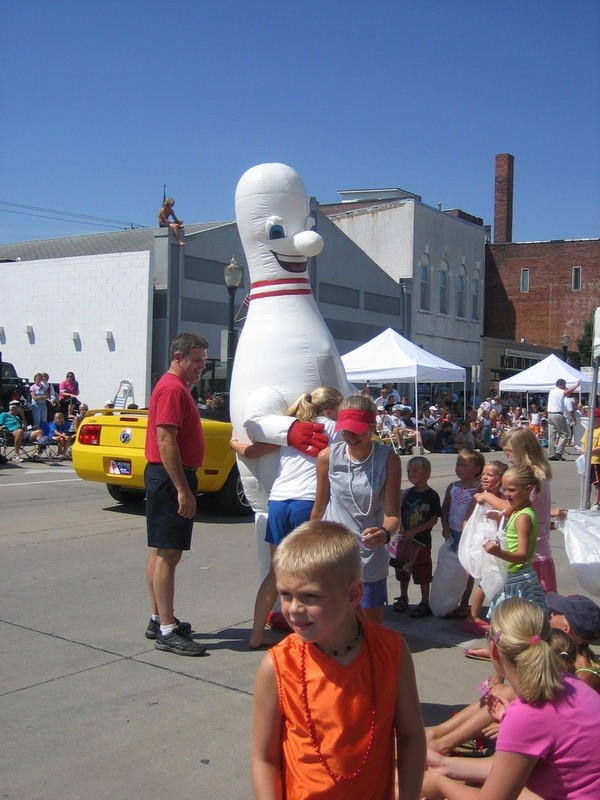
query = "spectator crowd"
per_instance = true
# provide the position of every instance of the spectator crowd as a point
(48, 414)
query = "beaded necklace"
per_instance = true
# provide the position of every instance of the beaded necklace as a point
(345, 650)
(338, 776)
(351, 464)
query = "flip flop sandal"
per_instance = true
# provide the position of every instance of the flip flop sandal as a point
(479, 628)
(477, 654)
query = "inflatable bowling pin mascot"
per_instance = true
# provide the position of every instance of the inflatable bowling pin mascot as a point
(285, 348)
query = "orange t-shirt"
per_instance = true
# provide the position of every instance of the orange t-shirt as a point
(340, 700)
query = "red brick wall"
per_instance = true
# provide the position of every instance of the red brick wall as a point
(550, 307)
(503, 198)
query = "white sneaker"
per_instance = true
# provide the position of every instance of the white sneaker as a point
(595, 507)
(18, 459)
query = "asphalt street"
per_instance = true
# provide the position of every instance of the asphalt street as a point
(89, 708)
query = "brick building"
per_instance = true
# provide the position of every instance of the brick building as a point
(534, 291)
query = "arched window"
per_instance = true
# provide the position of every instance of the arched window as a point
(460, 292)
(443, 284)
(475, 295)
(424, 284)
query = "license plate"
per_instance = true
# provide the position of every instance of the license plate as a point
(119, 467)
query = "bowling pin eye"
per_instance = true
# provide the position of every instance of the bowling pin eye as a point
(274, 228)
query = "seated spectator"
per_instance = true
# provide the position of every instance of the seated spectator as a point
(409, 428)
(57, 431)
(14, 421)
(546, 737)
(427, 418)
(68, 391)
(166, 211)
(394, 396)
(477, 431)
(81, 412)
(218, 409)
(383, 421)
(405, 404)
(485, 406)
(444, 440)
(464, 439)
(396, 422)
(386, 400)
(497, 404)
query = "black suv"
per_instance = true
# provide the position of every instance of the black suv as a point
(11, 386)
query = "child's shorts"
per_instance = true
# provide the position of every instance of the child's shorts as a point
(284, 517)
(375, 595)
(595, 474)
(422, 570)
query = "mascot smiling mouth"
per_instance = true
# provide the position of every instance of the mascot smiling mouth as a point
(291, 263)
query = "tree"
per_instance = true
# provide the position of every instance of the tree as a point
(584, 343)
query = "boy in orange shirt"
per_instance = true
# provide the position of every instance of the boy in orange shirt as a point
(336, 701)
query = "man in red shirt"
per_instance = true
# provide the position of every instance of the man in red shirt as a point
(174, 450)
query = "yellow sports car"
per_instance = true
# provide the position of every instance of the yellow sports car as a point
(109, 448)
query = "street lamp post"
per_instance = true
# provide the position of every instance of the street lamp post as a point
(233, 277)
(564, 342)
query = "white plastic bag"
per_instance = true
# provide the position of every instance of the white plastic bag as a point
(494, 572)
(582, 543)
(470, 546)
(490, 570)
(449, 581)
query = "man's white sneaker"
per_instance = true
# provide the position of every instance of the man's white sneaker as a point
(18, 459)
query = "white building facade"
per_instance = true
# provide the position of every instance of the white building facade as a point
(438, 256)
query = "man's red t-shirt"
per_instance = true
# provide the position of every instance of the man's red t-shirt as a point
(171, 403)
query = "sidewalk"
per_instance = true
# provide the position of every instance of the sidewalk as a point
(89, 708)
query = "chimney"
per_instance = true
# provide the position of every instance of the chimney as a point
(503, 198)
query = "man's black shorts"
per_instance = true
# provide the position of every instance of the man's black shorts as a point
(166, 529)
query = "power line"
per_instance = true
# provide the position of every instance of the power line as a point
(64, 219)
(84, 219)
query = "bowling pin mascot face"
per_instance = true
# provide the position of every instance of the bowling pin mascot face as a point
(285, 348)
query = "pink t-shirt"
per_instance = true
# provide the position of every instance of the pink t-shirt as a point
(171, 403)
(563, 735)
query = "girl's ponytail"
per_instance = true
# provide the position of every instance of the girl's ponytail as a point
(521, 632)
(311, 405)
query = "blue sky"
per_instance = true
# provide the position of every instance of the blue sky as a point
(103, 103)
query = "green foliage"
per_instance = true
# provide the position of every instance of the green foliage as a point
(584, 343)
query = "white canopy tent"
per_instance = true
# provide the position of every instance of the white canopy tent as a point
(542, 377)
(389, 357)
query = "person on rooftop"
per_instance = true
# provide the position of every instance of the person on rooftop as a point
(166, 211)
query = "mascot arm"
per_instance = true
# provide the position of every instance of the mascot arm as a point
(306, 437)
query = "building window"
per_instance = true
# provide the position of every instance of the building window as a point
(576, 279)
(475, 298)
(524, 286)
(443, 291)
(424, 293)
(460, 295)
